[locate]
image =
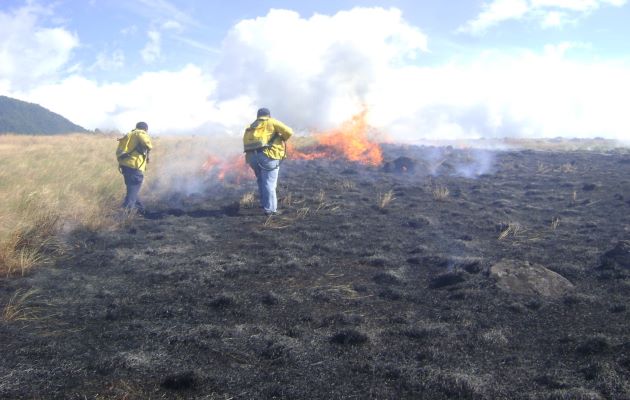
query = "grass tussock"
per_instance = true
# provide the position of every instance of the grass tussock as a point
(51, 185)
(509, 229)
(248, 200)
(385, 199)
(440, 193)
(18, 309)
(347, 184)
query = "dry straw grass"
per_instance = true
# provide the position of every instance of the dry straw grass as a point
(323, 203)
(511, 229)
(17, 309)
(555, 222)
(440, 192)
(50, 185)
(347, 184)
(248, 200)
(384, 199)
(543, 168)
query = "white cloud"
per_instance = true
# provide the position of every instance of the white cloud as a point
(528, 94)
(152, 50)
(171, 101)
(29, 51)
(109, 61)
(172, 25)
(495, 13)
(548, 13)
(324, 72)
(575, 5)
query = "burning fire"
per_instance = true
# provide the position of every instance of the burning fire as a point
(232, 169)
(348, 142)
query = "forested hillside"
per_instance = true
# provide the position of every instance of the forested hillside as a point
(18, 116)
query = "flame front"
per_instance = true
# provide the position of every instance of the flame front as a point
(350, 142)
(232, 169)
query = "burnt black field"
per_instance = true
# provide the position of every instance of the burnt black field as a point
(444, 274)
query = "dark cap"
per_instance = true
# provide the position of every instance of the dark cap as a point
(142, 125)
(263, 112)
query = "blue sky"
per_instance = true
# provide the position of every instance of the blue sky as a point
(424, 69)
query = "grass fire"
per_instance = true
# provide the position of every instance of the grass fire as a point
(429, 271)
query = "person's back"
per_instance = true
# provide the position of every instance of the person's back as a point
(136, 145)
(264, 145)
(133, 156)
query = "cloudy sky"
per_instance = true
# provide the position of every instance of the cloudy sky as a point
(424, 69)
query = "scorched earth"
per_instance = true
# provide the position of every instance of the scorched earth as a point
(442, 274)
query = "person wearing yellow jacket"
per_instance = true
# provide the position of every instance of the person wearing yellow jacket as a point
(133, 157)
(264, 143)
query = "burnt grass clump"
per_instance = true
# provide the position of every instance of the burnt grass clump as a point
(348, 293)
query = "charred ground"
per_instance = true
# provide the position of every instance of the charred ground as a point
(373, 283)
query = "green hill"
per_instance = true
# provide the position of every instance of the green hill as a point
(18, 116)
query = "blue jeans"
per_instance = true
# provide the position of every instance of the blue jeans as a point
(266, 170)
(133, 181)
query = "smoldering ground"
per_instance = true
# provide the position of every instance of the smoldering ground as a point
(513, 284)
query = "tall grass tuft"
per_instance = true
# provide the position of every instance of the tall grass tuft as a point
(440, 192)
(248, 200)
(17, 308)
(384, 199)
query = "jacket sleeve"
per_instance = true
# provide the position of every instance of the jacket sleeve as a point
(284, 131)
(145, 140)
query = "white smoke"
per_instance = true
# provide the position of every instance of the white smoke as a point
(315, 72)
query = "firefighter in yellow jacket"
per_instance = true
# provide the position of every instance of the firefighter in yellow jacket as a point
(133, 157)
(265, 147)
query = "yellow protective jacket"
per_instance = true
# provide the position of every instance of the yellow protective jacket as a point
(133, 150)
(277, 133)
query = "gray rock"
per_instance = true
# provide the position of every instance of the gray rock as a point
(523, 278)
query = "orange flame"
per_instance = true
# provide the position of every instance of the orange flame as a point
(350, 142)
(232, 169)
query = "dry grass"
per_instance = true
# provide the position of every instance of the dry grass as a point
(511, 229)
(559, 144)
(568, 168)
(384, 199)
(302, 212)
(554, 223)
(542, 168)
(50, 185)
(287, 201)
(347, 184)
(17, 308)
(323, 203)
(321, 197)
(248, 200)
(440, 193)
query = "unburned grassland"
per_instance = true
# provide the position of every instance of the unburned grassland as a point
(51, 185)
